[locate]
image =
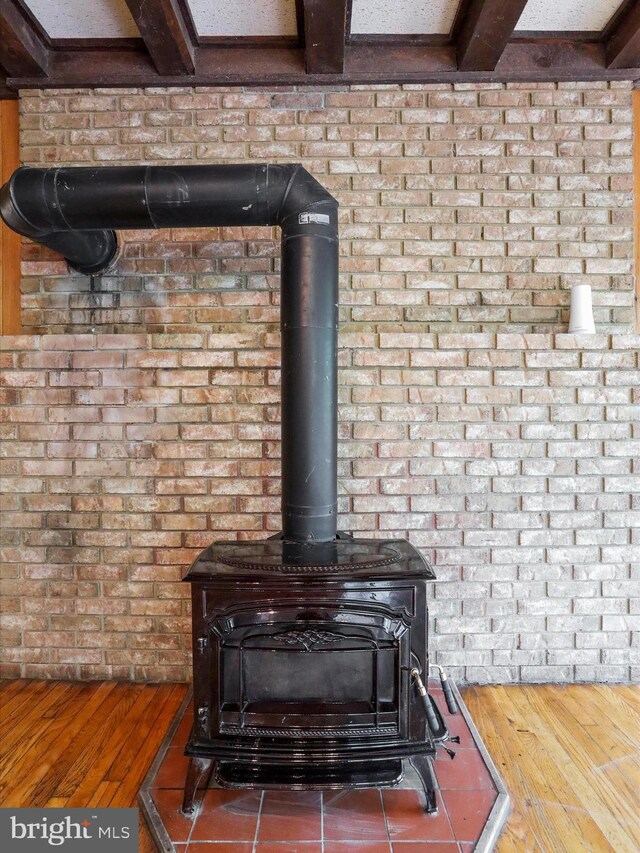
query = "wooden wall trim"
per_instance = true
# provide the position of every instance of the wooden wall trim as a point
(9, 240)
(636, 199)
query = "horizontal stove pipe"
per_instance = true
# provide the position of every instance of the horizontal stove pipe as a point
(75, 211)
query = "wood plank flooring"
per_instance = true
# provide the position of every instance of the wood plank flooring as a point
(569, 756)
(72, 744)
(570, 759)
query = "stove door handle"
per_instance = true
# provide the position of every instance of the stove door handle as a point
(450, 699)
(433, 721)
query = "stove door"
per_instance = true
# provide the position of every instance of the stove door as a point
(304, 674)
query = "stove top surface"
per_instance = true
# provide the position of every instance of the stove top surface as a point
(344, 557)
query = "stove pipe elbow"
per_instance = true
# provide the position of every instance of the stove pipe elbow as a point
(75, 211)
(29, 205)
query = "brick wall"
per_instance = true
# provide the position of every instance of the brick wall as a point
(505, 451)
(472, 208)
(511, 460)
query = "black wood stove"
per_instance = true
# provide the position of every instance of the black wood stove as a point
(307, 648)
(303, 657)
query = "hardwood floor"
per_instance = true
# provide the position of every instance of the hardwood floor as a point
(570, 759)
(72, 744)
(569, 756)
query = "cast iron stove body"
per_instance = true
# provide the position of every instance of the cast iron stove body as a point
(302, 662)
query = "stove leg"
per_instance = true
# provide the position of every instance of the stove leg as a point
(196, 770)
(424, 768)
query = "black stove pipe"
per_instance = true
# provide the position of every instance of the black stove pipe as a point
(74, 212)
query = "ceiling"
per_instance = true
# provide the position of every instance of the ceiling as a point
(45, 43)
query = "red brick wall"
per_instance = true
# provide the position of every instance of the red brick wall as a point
(508, 453)
(511, 460)
(472, 208)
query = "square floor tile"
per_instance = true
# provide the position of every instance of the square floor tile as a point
(288, 847)
(291, 816)
(221, 847)
(466, 770)
(357, 847)
(227, 816)
(407, 819)
(469, 811)
(458, 728)
(354, 816)
(173, 770)
(425, 847)
(168, 803)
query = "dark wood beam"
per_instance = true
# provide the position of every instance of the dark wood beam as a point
(6, 94)
(523, 61)
(165, 34)
(484, 32)
(300, 21)
(326, 25)
(623, 46)
(23, 53)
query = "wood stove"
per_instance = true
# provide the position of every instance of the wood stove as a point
(303, 656)
(306, 647)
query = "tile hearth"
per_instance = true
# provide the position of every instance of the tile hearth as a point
(472, 802)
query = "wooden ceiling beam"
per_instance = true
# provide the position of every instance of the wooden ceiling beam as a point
(484, 31)
(326, 30)
(623, 46)
(23, 53)
(163, 28)
(535, 60)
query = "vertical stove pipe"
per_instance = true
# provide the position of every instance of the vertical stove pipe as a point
(75, 210)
